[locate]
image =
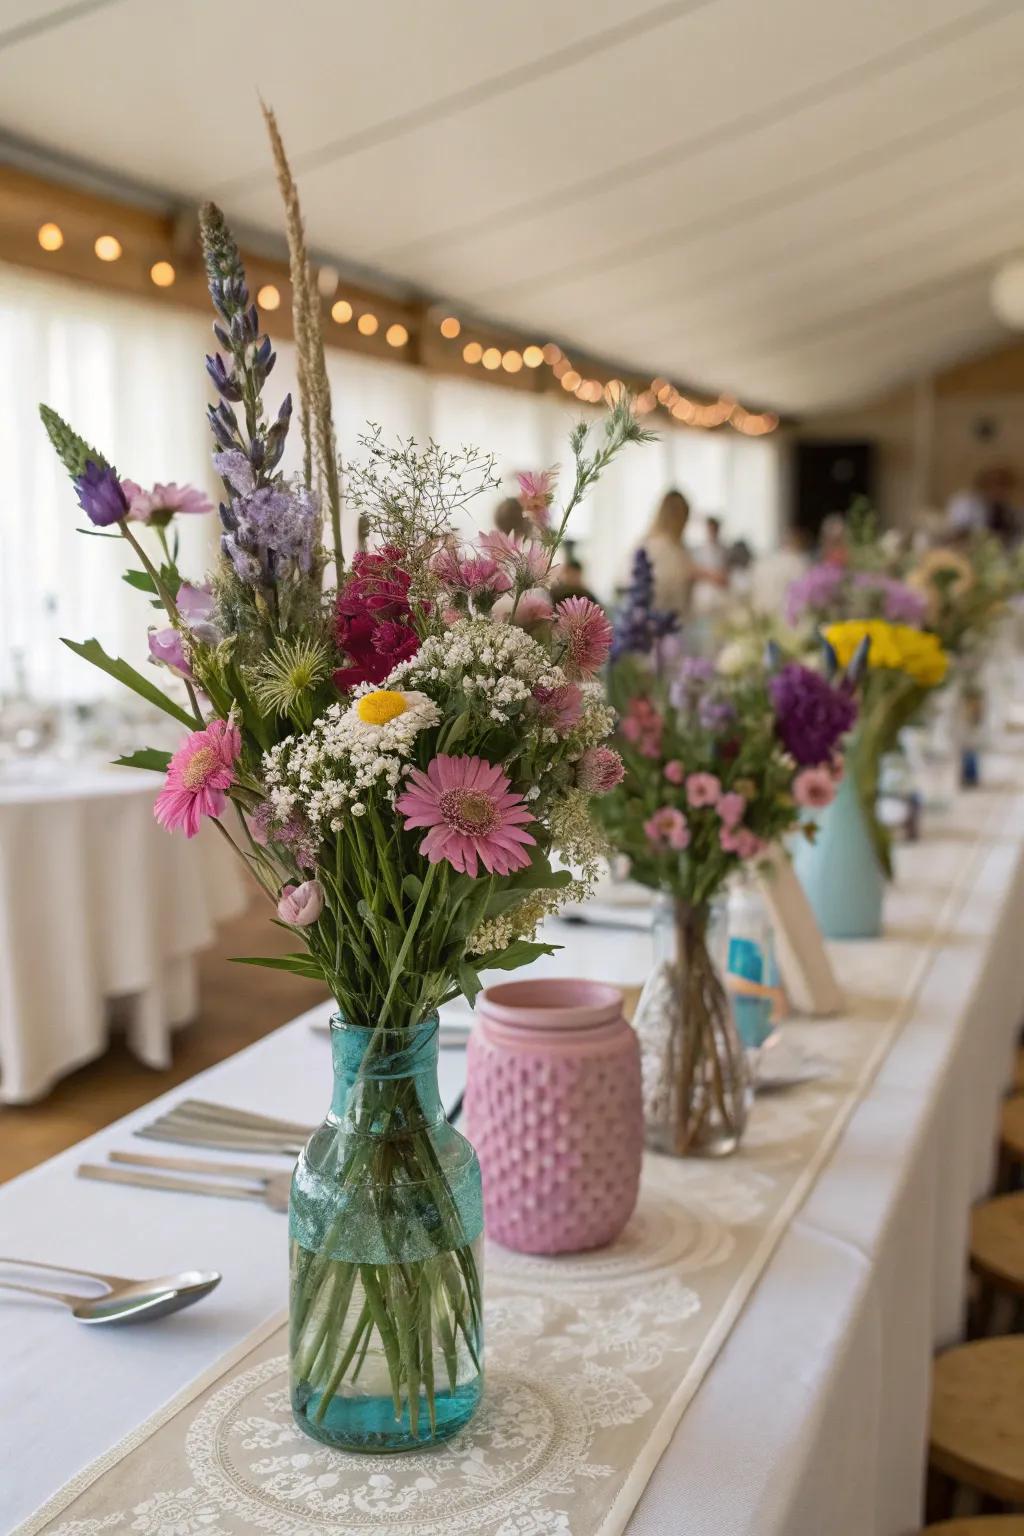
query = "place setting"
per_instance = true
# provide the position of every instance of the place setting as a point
(511, 819)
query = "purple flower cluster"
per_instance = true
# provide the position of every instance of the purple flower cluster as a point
(898, 603)
(269, 530)
(817, 590)
(811, 716)
(100, 494)
(639, 626)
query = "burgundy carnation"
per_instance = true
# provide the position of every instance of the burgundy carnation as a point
(810, 714)
(374, 626)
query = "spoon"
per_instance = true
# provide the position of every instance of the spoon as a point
(123, 1301)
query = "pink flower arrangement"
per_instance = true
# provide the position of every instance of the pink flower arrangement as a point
(814, 788)
(561, 707)
(702, 789)
(472, 815)
(300, 905)
(741, 841)
(599, 770)
(668, 827)
(536, 493)
(730, 808)
(586, 634)
(163, 501)
(199, 773)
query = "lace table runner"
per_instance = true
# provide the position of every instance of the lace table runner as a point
(591, 1359)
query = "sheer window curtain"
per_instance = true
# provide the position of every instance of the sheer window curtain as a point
(129, 376)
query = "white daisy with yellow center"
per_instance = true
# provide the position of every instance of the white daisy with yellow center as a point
(391, 717)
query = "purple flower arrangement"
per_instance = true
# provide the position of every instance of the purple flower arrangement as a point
(826, 593)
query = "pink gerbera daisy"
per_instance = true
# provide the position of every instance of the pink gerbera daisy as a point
(536, 493)
(471, 813)
(199, 772)
(585, 632)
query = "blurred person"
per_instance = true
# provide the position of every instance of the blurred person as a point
(676, 572)
(509, 517)
(712, 554)
(990, 506)
(774, 571)
(570, 581)
(740, 567)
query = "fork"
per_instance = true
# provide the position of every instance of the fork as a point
(268, 1185)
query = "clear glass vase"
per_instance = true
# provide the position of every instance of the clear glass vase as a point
(386, 1222)
(696, 1079)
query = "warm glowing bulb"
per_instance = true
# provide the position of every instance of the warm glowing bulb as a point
(368, 324)
(666, 394)
(50, 237)
(341, 311)
(268, 297)
(560, 367)
(107, 247)
(533, 357)
(512, 361)
(551, 353)
(162, 274)
(613, 391)
(492, 358)
(396, 336)
(472, 352)
(570, 379)
(450, 328)
(646, 402)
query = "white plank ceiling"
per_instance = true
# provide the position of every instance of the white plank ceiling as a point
(801, 202)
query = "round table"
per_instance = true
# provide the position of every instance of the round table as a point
(98, 906)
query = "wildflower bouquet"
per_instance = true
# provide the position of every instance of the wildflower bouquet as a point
(398, 758)
(718, 768)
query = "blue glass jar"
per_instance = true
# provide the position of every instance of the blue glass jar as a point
(386, 1224)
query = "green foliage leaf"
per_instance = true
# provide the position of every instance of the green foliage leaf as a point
(469, 981)
(298, 965)
(114, 666)
(142, 581)
(456, 731)
(412, 887)
(522, 952)
(145, 757)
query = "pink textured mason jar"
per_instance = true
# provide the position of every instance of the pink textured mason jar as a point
(553, 1108)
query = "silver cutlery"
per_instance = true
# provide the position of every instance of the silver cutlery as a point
(199, 1123)
(123, 1300)
(268, 1185)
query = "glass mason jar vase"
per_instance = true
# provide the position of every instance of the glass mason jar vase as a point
(696, 1079)
(386, 1223)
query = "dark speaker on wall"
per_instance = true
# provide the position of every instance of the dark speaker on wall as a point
(830, 477)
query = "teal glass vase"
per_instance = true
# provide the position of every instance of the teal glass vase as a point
(386, 1224)
(840, 871)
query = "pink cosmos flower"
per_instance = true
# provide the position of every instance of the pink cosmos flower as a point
(703, 789)
(559, 707)
(814, 787)
(301, 905)
(585, 632)
(163, 500)
(536, 493)
(730, 809)
(526, 560)
(471, 814)
(599, 770)
(674, 771)
(200, 771)
(668, 825)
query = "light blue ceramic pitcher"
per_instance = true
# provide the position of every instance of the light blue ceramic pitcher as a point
(840, 871)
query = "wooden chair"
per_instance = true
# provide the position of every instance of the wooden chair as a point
(1011, 1141)
(977, 1421)
(1018, 1072)
(997, 1257)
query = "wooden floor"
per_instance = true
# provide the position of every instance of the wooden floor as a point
(239, 1004)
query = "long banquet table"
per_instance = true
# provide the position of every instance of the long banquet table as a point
(812, 1416)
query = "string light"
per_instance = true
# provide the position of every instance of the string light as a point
(450, 327)
(50, 237)
(512, 361)
(533, 356)
(570, 379)
(269, 297)
(492, 358)
(396, 336)
(107, 247)
(472, 352)
(368, 324)
(560, 367)
(341, 311)
(162, 274)
(551, 354)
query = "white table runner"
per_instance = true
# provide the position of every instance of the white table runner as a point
(591, 1360)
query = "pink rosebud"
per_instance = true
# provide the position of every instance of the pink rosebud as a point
(674, 771)
(668, 825)
(300, 905)
(702, 789)
(814, 787)
(599, 770)
(730, 809)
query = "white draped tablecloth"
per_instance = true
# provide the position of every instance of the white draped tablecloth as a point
(812, 1418)
(98, 905)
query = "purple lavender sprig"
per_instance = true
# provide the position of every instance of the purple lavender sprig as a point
(640, 626)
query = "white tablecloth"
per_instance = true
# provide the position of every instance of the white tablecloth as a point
(812, 1418)
(97, 903)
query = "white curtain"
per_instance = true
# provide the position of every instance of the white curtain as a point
(129, 376)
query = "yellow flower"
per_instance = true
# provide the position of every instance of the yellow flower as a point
(380, 707)
(896, 647)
